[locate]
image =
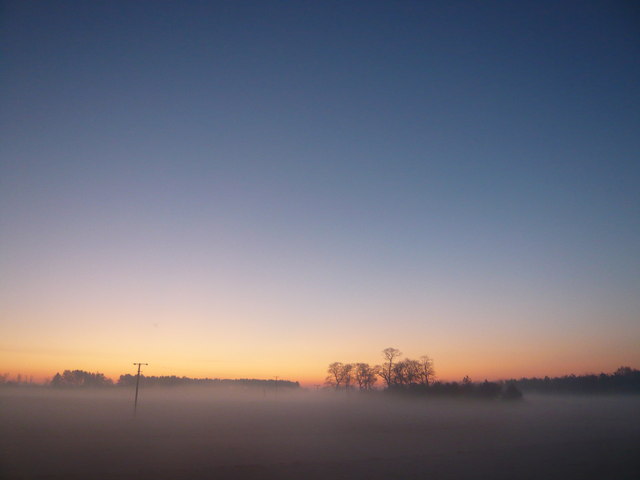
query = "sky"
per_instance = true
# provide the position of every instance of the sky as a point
(250, 189)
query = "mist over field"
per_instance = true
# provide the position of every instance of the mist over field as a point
(258, 434)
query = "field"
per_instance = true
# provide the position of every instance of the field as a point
(216, 434)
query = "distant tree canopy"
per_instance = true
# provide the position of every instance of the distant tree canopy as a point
(623, 380)
(392, 371)
(468, 389)
(80, 378)
(173, 381)
(418, 377)
(408, 376)
(346, 375)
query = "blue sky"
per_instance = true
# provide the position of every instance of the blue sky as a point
(323, 168)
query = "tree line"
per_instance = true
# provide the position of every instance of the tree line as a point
(171, 381)
(414, 377)
(623, 380)
(418, 377)
(394, 372)
(81, 378)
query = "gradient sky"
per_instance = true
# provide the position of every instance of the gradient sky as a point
(251, 189)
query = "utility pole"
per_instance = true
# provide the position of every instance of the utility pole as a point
(135, 402)
(276, 384)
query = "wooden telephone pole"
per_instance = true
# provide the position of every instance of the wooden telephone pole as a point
(135, 402)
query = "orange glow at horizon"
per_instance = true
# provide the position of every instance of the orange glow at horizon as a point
(310, 372)
(224, 340)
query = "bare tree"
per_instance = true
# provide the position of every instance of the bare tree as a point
(372, 377)
(427, 372)
(412, 371)
(405, 372)
(398, 373)
(347, 375)
(336, 374)
(365, 375)
(386, 372)
(361, 368)
(393, 371)
(341, 375)
(467, 384)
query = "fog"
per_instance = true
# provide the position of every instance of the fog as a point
(261, 434)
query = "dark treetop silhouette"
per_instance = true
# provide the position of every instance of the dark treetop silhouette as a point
(418, 377)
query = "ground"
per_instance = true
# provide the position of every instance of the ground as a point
(213, 434)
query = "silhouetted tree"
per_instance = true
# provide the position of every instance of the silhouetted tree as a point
(365, 375)
(347, 375)
(427, 372)
(386, 372)
(489, 389)
(511, 392)
(57, 381)
(341, 375)
(129, 380)
(405, 372)
(445, 389)
(80, 378)
(623, 380)
(624, 372)
(335, 375)
(467, 385)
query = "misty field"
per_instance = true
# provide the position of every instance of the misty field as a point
(215, 434)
